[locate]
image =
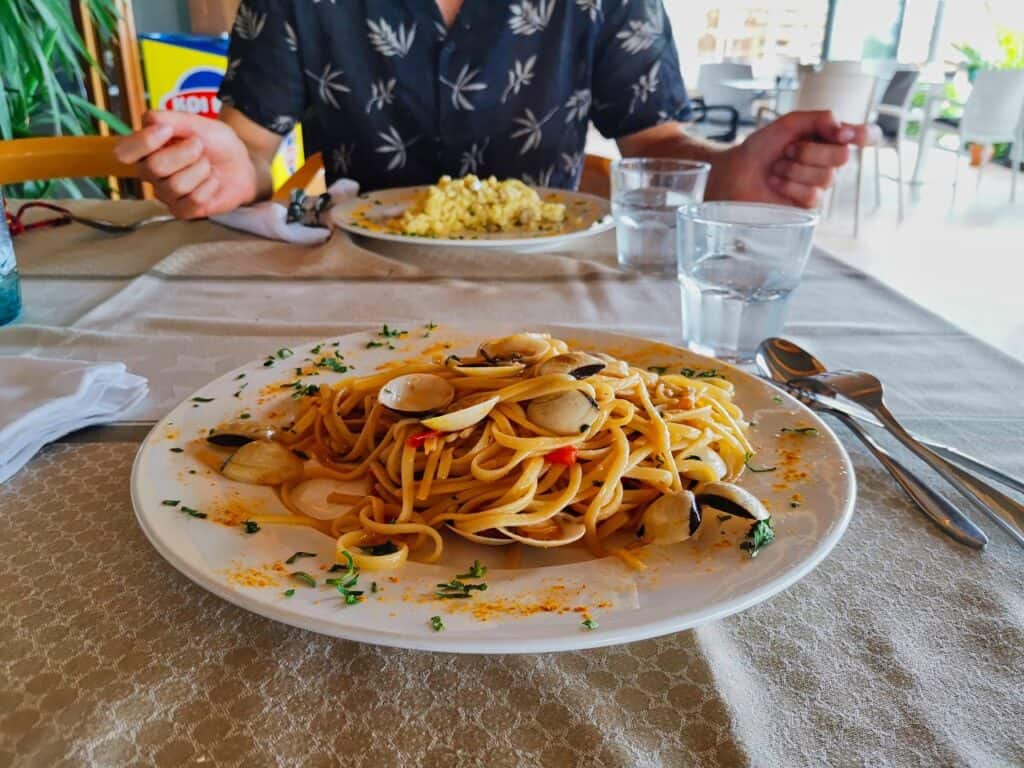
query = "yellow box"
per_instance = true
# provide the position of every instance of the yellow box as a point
(183, 74)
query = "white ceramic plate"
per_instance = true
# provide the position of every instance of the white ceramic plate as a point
(587, 216)
(529, 609)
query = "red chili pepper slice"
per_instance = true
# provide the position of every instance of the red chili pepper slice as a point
(566, 455)
(417, 441)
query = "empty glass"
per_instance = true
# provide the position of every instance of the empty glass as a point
(646, 193)
(738, 264)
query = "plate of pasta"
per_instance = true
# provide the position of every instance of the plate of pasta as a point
(491, 491)
(473, 212)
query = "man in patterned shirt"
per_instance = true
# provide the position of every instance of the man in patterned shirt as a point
(399, 92)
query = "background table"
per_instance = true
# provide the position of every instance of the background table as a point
(901, 648)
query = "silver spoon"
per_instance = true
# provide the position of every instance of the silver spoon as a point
(784, 361)
(113, 228)
(866, 390)
(940, 510)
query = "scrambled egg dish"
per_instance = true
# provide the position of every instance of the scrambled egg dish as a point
(458, 206)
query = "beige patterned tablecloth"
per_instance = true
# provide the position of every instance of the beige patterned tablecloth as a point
(902, 648)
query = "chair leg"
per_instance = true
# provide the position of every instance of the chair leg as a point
(899, 177)
(878, 176)
(856, 201)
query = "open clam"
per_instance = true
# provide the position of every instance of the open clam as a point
(579, 365)
(518, 348)
(416, 393)
(730, 499)
(556, 531)
(234, 434)
(463, 417)
(314, 497)
(263, 462)
(702, 464)
(564, 413)
(671, 518)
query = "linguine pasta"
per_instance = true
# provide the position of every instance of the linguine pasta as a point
(529, 442)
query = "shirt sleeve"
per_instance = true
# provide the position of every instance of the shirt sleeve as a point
(264, 79)
(637, 82)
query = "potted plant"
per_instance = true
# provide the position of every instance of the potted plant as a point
(42, 61)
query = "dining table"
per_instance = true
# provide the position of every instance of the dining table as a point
(902, 647)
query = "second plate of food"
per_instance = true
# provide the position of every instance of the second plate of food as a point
(491, 491)
(480, 213)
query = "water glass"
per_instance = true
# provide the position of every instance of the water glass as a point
(10, 288)
(738, 264)
(646, 193)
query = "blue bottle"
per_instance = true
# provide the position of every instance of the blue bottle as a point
(10, 287)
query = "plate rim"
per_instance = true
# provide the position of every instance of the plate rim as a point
(519, 645)
(600, 226)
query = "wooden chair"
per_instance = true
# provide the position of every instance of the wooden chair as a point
(57, 157)
(595, 179)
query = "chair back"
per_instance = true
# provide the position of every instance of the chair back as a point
(898, 93)
(709, 85)
(994, 108)
(58, 157)
(849, 97)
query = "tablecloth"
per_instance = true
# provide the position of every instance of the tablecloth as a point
(901, 648)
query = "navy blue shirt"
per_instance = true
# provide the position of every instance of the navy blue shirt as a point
(394, 98)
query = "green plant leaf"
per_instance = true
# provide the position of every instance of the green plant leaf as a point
(100, 114)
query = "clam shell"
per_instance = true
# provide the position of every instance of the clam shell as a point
(311, 496)
(579, 365)
(519, 348)
(477, 538)
(572, 529)
(416, 393)
(672, 518)
(457, 420)
(564, 413)
(730, 499)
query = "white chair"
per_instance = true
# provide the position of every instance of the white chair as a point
(893, 113)
(993, 114)
(711, 90)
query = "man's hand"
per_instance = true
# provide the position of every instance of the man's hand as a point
(790, 161)
(198, 167)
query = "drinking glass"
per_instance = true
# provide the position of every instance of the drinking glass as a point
(646, 193)
(10, 288)
(738, 264)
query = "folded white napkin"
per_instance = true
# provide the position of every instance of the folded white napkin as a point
(269, 219)
(41, 400)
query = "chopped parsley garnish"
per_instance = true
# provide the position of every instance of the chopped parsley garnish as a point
(298, 371)
(805, 431)
(304, 577)
(373, 587)
(268, 362)
(391, 333)
(752, 468)
(760, 535)
(239, 376)
(693, 373)
(202, 399)
(171, 502)
(291, 560)
(794, 504)
(289, 592)
(589, 624)
(584, 428)
(430, 326)
(436, 623)
(374, 344)
(640, 531)
(245, 416)
(453, 358)
(476, 571)
(177, 450)
(192, 512)
(658, 369)
(316, 350)
(457, 590)
(251, 527)
(283, 353)
(301, 454)
(333, 364)
(387, 548)
(777, 398)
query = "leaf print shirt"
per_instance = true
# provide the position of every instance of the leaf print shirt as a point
(392, 97)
